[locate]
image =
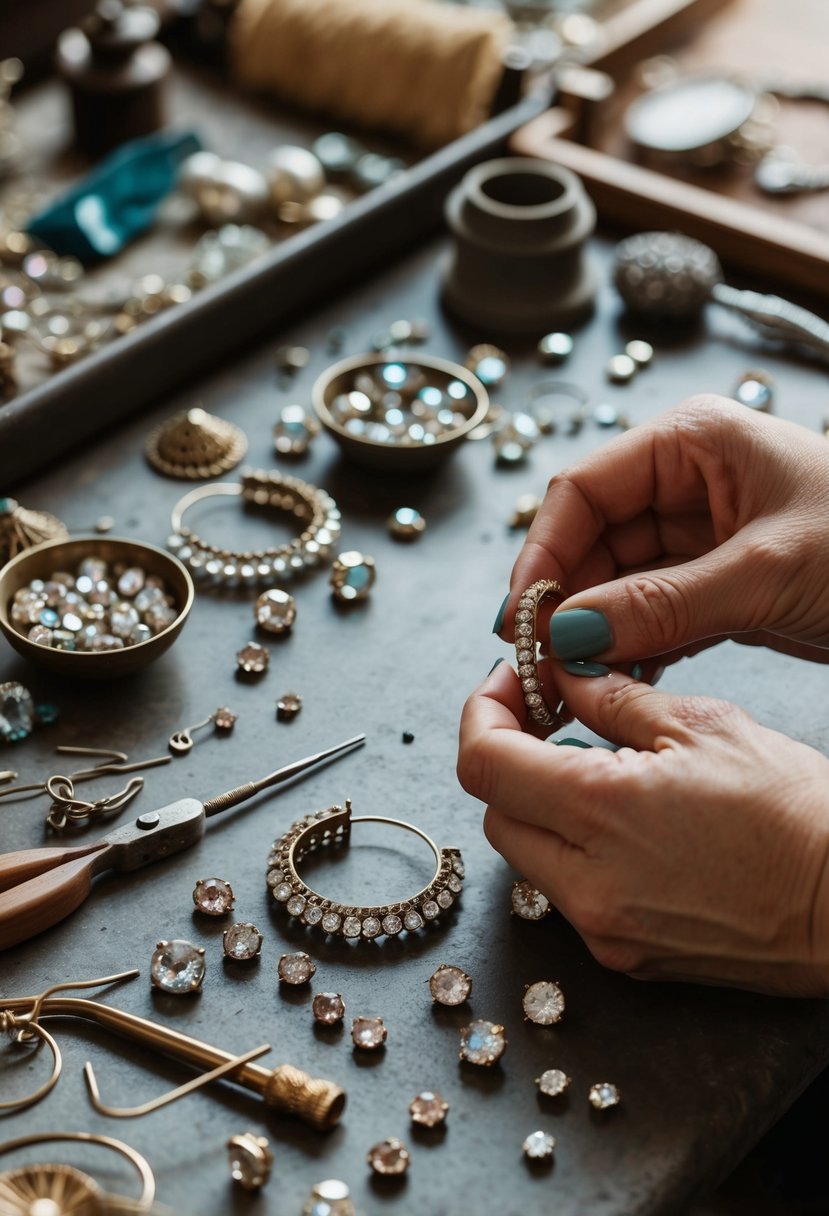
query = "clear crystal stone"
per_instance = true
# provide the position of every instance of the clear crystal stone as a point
(296, 905)
(603, 1095)
(522, 615)
(430, 909)
(482, 1042)
(454, 884)
(392, 924)
(524, 630)
(428, 1108)
(352, 926)
(445, 899)
(368, 1033)
(371, 926)
(459, 867)
(544, 1003)
(282, 891)
(331, 922)
(297, 968)
(525, 656)
(17, 712)
(213, 896)
(450, 985)
(177, 966)
(123, 619)
(242, 941)
(527, 902)
(413, 920)
(534, 700)
(312, 914)
(552, 1082)
(330, 1198)
(328, 1008)
(131, 582)
(389, 1157)
(539, 1146)
(275, 610)
(530, 684)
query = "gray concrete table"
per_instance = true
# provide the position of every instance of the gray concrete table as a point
(703, 1072)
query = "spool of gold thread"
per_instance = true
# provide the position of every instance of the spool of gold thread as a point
(418, 68)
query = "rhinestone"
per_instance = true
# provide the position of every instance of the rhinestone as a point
(392, 924)
(621, 368)
(555, 348)
(330, 1198)
(331, 922)
(525, 614)
(213, 896)
(482, 1043)
(445, 899)
(553, 1082)
(17, 712)
(250, 1160)
(368, 1033)
(509, 450)
(253, 658)
(539, 1146)
(413, 921)
(312, 914)
(430, 909)
(389, 1157)
(534, 699)
(123, 619)
(294, 431)
(40, 635)
(241, 941)
(527, 902)
(94, 568)
(454, 884)
(428, 1108)
(530, 684)
(406, 523)
(328, 1008)
(606, 415)
(459, 867)
(489, 364)
(282, 891)
(524, 630)
(450, 985)
(288, 706)
(755, 390)
(131, 582)
(352, 576)
(296, 905)
(177, 966)
(603, 1095)
(48, 618)
(275, 611)
(224, 719)
(371, 926)
(295, 968)
(640, 352)
(352, 926)
(544, 1003)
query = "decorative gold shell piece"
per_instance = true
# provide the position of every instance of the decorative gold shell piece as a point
(49, 1190)
(21, 528)
(195, 446)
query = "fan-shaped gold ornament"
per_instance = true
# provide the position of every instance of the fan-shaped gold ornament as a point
(195, 446)
(49, 1190)
(21, 528)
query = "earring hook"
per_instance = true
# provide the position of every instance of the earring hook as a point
(23, 1029)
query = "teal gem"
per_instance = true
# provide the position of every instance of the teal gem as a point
(47, 714)
(17, 712)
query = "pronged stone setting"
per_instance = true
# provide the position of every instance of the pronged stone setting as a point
(241, 942)
(603, 1095)
(368, 1034)
(250, 1160)
(213, 896)
(544, 1003)
(539, 1146)
(389, 1157)
(428, 1109)
(553, 1082)
(328, 1008)
(177, 966)
(450, 985)
(296, 968)
(527, 902)
(482, 1043)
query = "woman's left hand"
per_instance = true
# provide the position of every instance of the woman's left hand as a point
(698, 851)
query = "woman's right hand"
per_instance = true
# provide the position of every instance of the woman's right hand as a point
(710, 522)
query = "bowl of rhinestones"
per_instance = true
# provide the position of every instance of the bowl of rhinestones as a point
(399, 414)
(93, 607)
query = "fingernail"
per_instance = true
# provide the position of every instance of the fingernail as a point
(579, 633)
(502, 612)
(636, 671)
(586, 669)
(657, 675)
(494, 665)
(571, 743)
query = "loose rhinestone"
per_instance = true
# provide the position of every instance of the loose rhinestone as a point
(224, 718)
(17, 712)
(275, 611)
(392, 924)
(295, 968)
(406, 523)
(250, 1160)
(527, 902)
(282, 891)
(413, 921)
(544, 1003)
(331, 922)
(213, 896)
(352, 926)
(489, 363)
(389, 1157)
(603, 1095)
(555, 348)
(296, 905)
(371, 926)
(288, 706)
(539, 1146)
(445, 899)
(312, 914)
(352, 576)
(430, 910)
(553, 1082)
(328, 1008)
(482, 1043)
(329, 1198)
(123, 619)
(428, 1108)
(368, 1033)
(177, 967)
(253, 659)
(131, 582)
(241, 941)
(621, 368)
(450, 985)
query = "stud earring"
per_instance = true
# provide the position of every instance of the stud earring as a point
(181, 741)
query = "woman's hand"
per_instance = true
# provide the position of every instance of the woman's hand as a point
(698, 851)
(710, 522)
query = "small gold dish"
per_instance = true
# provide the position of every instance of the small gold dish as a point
(43, 560)
(345, 377)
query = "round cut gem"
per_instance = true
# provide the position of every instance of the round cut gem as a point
(544, 1003)
(288, 706)
(454, 884)
(527, 902)
(445, 899)
(413, 920)
(295, 968)
(131, 582)
(282, 891)
(406, 523)
(328, 1008)
(482, 1043)
(603, 1095)
(331, 922)
(552, 1082)
(224, 719)
(428, 1108)
(539, 1146)
(275, 611)
(177, 967)
(253, 659)
(250, 1160)
(241, 941)
(330, 1198)
(17, 712)
(450, 985)
(368, 1033)
(296, 905)
(392, 924)
(459, 867)
(312, 914)
(430, 909)
(371, 926)
(213, 896)
(352, 576)
(352, 926)
(389, 1157)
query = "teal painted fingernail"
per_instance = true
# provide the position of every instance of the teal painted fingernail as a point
(494, 665)
(579, 633)
(586, 669)
(502, 612)
(571, 743)
(636, 671)
(657, 675)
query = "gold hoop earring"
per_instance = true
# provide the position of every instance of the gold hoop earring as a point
(22, 1029)
(64, 1181)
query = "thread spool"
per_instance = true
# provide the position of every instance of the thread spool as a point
(518, 265)
(428, 71)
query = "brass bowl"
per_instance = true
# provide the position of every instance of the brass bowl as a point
(43, 560)
(396, 457)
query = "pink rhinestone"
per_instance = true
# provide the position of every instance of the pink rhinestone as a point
(368, 1033)
(213, 896)
(328, 1008)
(389, 1157)
(429, 1109)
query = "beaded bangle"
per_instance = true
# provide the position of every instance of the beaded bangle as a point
(525, 647)
(211, 564)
